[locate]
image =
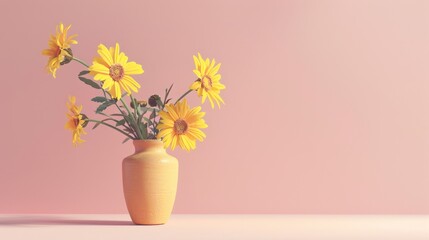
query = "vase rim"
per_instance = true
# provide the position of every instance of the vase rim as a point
(147, 144)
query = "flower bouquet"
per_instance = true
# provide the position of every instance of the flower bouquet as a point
(150, 174)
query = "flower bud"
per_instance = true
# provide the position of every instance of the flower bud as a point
(68, 57)
(153, 100)
(84, 117)
(141, 103)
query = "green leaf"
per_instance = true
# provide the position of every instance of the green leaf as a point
(111, 119)
(104, 105)
(126, 139)
(118, 115)
(143, 128)
(96, 125)
(129, 130)
(104, 115)
(83, 73)
(90, 82)
(168, 92)
(136, 107)
(139, 112)
(99, 99)
(127, 118)
(120, 122)
(140, 115)
(104, 120)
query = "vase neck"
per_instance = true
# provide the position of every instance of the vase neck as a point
(148, 145)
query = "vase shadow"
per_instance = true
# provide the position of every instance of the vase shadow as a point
(55, 220)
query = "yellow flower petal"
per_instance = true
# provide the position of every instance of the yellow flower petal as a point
(133, 68)
(180, 126)
(75, 121)
(113, 68)
(105, 54)
(99, 68)
(196, 62)
(108, 83)
(195, 85)
(124, 86)
(131, 83)
(102, 77)
(184, 143)
(55, 52)
(122, 59)
(172, 111)
(197, 72)
(174, 142)
(214, 70)
(115, 91)
(167, 140)
(197, 133)
(208, 84)
(116, 54)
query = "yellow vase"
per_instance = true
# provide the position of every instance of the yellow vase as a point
(150, 182)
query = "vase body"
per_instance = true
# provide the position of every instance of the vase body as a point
(150, 182)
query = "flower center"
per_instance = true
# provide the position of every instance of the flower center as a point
(76, 122)
(116, 72)
(180, 126)
(206, 82)
(58, 51)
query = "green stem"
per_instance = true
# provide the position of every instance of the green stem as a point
(102, 89)
(184, 95)
(136, 115)
(154, 124)
(128, 123)
(167, 92)
(135, 106)
(86, 65)
(111, 126)
(81, 62)
(119, 109)
(117, 106)
(105, 95)
(133, 120)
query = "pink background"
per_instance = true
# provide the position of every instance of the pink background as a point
(327, 105)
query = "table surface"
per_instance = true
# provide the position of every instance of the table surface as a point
(216, 226)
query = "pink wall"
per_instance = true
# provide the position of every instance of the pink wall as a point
(327, 105)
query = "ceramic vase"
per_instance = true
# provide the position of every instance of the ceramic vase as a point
(150, 182)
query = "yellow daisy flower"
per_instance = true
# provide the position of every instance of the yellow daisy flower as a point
(181, 125)
(208, 82)
(58, 47)
(114, 70)
(75, 121)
